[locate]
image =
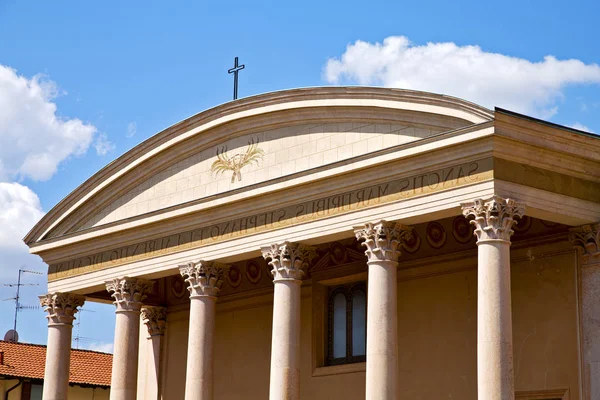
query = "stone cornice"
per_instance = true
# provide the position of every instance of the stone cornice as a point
(382, 239)
(586, 239)
(61, 307)
(155, 319)
(204, 278)
(288, 260)
(129, 293)
(494, 217)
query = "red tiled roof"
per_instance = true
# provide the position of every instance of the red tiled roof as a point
(23, 360)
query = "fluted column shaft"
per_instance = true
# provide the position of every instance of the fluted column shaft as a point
(587, 241)
(383, 240)
(287, 261)
(493, 221)
(128, 295)
(205, 280)
(61, 309)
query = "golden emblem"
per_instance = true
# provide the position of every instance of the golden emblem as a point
(238, 161)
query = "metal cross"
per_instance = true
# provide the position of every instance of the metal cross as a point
(236, 68)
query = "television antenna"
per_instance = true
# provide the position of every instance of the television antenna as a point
(18, 305)
(78, 338)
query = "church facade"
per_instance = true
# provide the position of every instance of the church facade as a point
(338, 243)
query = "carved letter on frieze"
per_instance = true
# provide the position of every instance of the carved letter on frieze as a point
(494, 217)
(382, 239)
(586, 240)
(288, 260)
(61, 307)
(128, 292)
(155, 319)
(205, 278)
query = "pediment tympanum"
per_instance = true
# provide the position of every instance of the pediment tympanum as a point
(255, 158)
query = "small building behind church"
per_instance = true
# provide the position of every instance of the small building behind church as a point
(22, 372)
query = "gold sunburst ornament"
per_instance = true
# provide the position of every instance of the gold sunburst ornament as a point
(253, 155)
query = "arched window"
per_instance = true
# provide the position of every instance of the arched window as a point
(347, 324)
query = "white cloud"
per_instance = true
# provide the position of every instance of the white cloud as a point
(131, 129)
(102, 145)
(20, 209)
(581, 127)
(102, 347)
(468, 72)
(34, 140)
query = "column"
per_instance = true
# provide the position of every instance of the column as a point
(128, 294)
(287, 261)
(205, 279)
(155, 319)
(61, 309)
(382, 240)
(494, 218)
(587, 241)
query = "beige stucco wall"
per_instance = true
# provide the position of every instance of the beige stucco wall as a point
(74, 393)
(437, 332)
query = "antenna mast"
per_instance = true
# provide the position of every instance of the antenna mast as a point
(18, 306)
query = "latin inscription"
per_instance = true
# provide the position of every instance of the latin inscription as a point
(278, 218)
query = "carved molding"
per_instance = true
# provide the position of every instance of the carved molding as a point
(204, 278)
(383, 239)
(129, 292)
(288, 260)
(253, 272)
(155, 319)
(586, 239)
(234, 276)
(338, 254)
(61, 307)
(494, 217)
(436, 235)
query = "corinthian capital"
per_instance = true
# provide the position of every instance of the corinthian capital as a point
(382, 239)
(494, 217)
(61, 307)
(204, 277)
(155, 319)
(586, 240)
(288, 260)
(129, 292)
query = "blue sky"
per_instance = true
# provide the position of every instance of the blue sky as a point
(118, 72)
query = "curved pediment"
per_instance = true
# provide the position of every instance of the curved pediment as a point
(252, 142)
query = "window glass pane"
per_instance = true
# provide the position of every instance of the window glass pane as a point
(36, 392)
(339, 326)
(359, 329)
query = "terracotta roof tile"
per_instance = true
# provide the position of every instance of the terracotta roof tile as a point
(25, 360)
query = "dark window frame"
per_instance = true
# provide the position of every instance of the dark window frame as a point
(349, 292)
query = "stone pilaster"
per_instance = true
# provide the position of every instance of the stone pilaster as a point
(61, 309)
(493, 220)
(204, 279)
(382, 240)
(149, 378)
(128, 294)
(287, 261)
(155, 319)
(586, 240)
